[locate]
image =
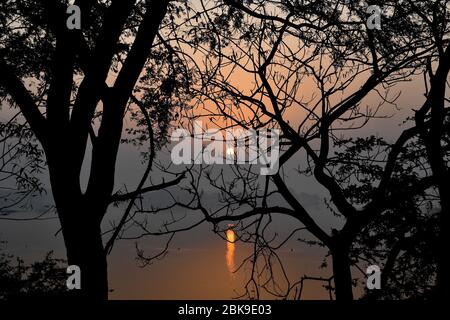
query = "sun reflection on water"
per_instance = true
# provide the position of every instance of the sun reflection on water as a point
(230, 249)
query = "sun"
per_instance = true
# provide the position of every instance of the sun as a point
(230, 151)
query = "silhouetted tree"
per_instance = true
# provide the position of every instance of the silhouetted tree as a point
(72, 86)
(403, 239)
(140, 59)
(20, 164)
(320, 62)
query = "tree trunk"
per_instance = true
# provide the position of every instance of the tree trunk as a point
(436, 157)
(80, 218)
(85, 249)
(443, 278)
(342, 273)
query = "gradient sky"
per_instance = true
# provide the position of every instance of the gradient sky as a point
(196, 265)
